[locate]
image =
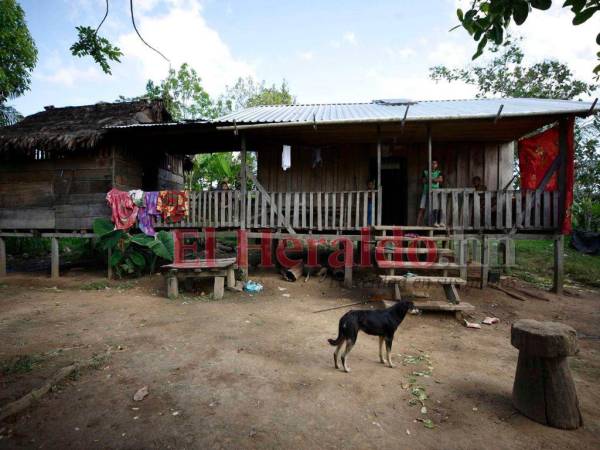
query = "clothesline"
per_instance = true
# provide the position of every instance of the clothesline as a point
(137, 205)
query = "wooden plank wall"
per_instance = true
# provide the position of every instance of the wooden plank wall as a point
(342, 169)
(54, 193)
(346, 168)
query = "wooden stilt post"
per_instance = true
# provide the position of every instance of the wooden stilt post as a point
(109, 273)
(2, 257)
(485, 261)
(379, 187)
(559, 250)
(54, 258)
(243, 192)
(429, 158)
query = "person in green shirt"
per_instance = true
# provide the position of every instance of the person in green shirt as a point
(436, 181)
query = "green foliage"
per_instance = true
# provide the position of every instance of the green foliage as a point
(506, 75)
(247, 92)
(183, 95)
(212, 168)
(20, 364)
(18, 54)
(534, 263)
(133, 254)
(487, 20)
(99, 48)
(9, 115)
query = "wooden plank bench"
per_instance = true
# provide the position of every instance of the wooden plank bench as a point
(448, 283)
(219, 269)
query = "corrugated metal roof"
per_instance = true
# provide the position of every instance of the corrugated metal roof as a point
(421, 111)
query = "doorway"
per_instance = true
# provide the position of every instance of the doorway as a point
(394, 182)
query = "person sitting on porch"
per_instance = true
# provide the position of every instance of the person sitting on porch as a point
(477, 184)
(223, 185)
(436, 180)
(370, 187)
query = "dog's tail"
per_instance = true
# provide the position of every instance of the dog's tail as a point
(338, 340)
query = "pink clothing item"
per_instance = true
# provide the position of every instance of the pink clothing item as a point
(124, 211)
(146, 212)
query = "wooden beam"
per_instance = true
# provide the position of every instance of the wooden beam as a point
(557, 285)
(55, 259)
(2, 257)
(379, 187)
(268, 199)
(243, 188)
(429, 158)
(562, 170)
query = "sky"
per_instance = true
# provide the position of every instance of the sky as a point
(328, 51)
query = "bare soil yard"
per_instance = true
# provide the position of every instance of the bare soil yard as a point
(257, 372)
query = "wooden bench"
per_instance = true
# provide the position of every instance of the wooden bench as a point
(448, 283)
(219, 269)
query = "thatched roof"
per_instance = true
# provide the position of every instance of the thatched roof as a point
(76, 128)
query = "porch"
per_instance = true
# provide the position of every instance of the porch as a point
(463, 210)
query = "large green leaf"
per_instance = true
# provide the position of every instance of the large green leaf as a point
(143, 240)
(102, 226)
(168, 246)
(110, 240)
(520, 12)
(116, 257)
(138, 259)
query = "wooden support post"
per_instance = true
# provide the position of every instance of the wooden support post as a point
(2, 257)
(485, 261)
(559, 274)
(230, 277)
(462, 258)
(172, 285)
(429, 158)
(243, 182)
(109, 273)
(243, 194)
(348, 276)
(562, 170)
(219, 288)
(54, 258)
(379, 187)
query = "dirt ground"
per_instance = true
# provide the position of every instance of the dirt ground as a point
(257, 372)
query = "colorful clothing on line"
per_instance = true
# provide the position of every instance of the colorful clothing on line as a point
(124, 211)
(146, 212)
(173, 205)
(137, 195)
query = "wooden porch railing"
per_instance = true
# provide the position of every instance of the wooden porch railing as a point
(349, 210)
(468, 209)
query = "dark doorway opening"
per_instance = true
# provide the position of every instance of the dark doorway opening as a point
(394, 182)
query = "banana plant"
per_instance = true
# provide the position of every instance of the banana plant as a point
(132, 254)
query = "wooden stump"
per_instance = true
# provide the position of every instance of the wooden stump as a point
(544, 389)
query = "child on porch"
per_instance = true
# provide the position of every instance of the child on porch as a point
(436, 180)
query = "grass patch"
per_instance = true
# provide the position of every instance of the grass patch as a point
(20, 364)
(95, 286)
(105, 284)
(534, 263)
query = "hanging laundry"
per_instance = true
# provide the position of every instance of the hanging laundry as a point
(146, 212)
(286, 157)
(173, 205)
(137, 195)
(124, 211)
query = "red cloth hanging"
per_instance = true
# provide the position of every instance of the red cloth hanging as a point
(536, 155)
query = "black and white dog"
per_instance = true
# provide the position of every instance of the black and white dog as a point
(382, 323)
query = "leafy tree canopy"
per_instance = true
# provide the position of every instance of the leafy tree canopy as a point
(487, 20)
(183, 94)
(506, 75)
(247, 92)
(18, 54)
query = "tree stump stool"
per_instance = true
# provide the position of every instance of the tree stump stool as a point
(544, 389)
